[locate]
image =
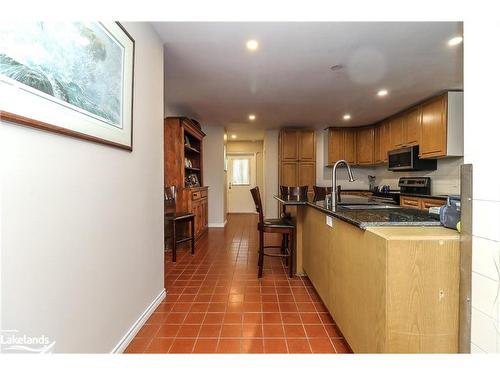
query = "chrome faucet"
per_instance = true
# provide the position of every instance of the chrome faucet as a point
(335, 189)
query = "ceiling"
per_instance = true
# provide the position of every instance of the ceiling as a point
(211, 76)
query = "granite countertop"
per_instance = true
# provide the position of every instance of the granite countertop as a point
(367, 217)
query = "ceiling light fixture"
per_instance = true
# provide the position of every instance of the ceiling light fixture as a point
(382, 92)
(347, 116)
(251, 117)
(233, 136)
(455, 41)
(252, 45)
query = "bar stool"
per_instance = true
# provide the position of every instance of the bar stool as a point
(320, 192)
(292, 190)
(282, 225)
(171, 216)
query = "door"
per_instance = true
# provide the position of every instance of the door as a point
(241, 169)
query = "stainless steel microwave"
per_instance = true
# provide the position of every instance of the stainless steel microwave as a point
(406, 159)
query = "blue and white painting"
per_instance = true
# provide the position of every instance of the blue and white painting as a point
(79, 65)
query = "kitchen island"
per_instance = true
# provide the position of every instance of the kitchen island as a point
(390, 283)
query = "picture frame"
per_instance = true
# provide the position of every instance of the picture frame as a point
(71, 78)
(194, 180)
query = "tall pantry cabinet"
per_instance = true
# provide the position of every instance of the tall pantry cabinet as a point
(297, 157)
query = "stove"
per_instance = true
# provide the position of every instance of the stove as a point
(415, 185)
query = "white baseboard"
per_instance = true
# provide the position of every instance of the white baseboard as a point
(123, 343)
(217, 225)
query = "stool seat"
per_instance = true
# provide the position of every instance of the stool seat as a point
(278, 223)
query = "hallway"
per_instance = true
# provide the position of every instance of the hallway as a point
(216, 304)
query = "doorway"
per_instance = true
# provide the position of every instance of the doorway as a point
(242, 173)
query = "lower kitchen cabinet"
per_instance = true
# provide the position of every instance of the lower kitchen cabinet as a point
(198, 204)
(420, 203)
(389, 289)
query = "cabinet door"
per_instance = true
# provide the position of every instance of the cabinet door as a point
(289, 145)
(413, 127)
(289, 174)
(410, 202)
(377, 151)
(429, 202)
(350, 145)
(307, 145)
(307, 174)
(364, 146)
(335, 145)
(397, 131)
(433, 142)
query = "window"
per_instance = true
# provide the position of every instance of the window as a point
(241, 172)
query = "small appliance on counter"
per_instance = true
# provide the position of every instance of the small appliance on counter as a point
(449, 214)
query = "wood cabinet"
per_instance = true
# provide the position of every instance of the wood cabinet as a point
(412, 130)
(436, 125)
(381, 142)
(420, 203)
(297, 157)
(341, 145)
(389, 289)
(365, 141)
(397, 125)
(434, 128)
(183, 140)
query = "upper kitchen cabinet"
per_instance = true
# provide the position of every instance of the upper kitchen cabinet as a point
(397, 130)
(341, 145)
(442, 128)
(413, 127)
(381, 142)
(335, 145)
(365, 142)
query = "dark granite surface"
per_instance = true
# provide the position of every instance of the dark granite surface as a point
(366, 217)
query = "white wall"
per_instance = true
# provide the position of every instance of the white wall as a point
(481, 143)
(82, 223)
(213, 173)
(270, 173)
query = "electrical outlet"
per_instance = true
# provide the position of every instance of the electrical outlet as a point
(329, 221)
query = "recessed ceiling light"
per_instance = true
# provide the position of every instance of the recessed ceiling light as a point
(382, 92)
(455, 41)
(233, 136)
(251, 117)
(252, 45)
(347, 116)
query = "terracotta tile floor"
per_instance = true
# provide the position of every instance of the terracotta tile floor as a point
(216, 304)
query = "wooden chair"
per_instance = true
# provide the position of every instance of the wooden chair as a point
(320, 192)
(283, 226)
(171, 216)
(291, 190)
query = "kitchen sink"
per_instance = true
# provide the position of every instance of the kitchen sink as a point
(367, 206)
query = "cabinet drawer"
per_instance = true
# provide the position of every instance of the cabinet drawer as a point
(204, 193)
(428, 203)
(195, 195)
(410, 202)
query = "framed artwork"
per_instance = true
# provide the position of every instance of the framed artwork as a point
(73, 78)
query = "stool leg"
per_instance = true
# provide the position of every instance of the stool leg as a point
(261, 254)
(287, 244)
(192, 236)
(174, 243)
(291, 254)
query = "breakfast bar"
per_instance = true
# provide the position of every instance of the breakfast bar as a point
(388, 276)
